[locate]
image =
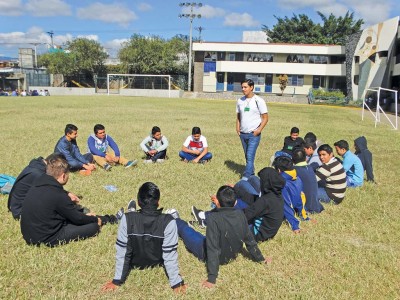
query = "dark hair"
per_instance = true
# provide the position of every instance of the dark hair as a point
(342, 144)
(155, 129)
(250, 82)
(148, 195)
(294, 130)
(69, 128)
(308, 142)
(283, 163)
(196, 130)
(56, 166)
(54, 156)
(325, 147)
(298, 155)
(226, 196)
(98, 127)
(310, 136)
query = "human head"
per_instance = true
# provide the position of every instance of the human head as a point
(298, 156)
(54, 156)
(294, 133)
(226, 196)
(247, 87)
(325, 153)
(156, 132)
(71, 131)
(148, 195)
(309, 146)
(58, 168)
(196, 132)
(282, 164)
(99, 131)
(342, 147)
(311, 137)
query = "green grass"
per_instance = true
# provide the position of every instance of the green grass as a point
(353, 252)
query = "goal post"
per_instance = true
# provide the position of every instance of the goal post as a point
(118, 82)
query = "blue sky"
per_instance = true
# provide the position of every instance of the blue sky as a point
(113, 22)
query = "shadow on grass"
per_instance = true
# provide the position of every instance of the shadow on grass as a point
(237, 168)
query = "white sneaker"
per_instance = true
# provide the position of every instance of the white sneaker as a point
(160, 160)
(147, 161)
(173, 212)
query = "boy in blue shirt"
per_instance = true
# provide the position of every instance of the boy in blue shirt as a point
(351, 164)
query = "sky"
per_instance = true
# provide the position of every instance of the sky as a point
(113, 22)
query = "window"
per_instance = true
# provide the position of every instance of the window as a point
(231, 57)
(295, 80)
(259, 57)
(318, 59)
(295, 58)
(259, 79)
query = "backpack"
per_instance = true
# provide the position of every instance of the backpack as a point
(6, 183)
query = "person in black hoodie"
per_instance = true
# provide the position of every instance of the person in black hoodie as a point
(49, 216)
(293, 141)
(226, 232)
(360, 144)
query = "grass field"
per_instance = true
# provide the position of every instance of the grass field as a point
(353, 252)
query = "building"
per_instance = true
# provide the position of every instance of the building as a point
(369, 59)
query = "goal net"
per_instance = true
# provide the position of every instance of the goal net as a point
(119, 83)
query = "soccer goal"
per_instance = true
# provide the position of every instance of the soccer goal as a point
(381, 99)
(138, 84)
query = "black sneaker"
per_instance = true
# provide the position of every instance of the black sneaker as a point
(132, 205)
(196, 215)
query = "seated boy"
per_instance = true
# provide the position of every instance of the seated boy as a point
(261, 200)
(362, 152)
(310, 185)
(351, 164)
(311, 150)
(331, 177)
(155, 146)
(147, 238)
(292, 141)
(293, 196)
(195, 148)
(226, 232)
(105, 151)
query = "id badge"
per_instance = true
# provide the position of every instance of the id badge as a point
(247, 108)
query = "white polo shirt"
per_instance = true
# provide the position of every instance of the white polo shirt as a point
(250, 112)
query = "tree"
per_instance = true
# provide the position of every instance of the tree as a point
(153, 55)
(83, 56)
(300, 29)
(283, 80)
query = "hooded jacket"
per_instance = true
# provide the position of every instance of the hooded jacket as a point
(365, 156)
(47, 208)
(23, 183)
(266, 213)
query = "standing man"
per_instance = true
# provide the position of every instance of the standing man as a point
(68, 147)
(252, 116)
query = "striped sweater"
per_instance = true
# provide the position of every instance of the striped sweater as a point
(334, 176)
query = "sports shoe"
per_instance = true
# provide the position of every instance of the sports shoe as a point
(173, 212)
(196, 215)
(160, 160)
(107, 167)
(85, 172)
(120, 214)
(147, 161)
(131, 163)
(195, 224)
(132, 205)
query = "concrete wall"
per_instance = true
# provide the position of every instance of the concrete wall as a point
(76, 91)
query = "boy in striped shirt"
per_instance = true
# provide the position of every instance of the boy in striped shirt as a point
(331, 176)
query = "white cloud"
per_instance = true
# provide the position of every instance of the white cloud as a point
(245, 20)
(112, 47)
(11, 8)
(46, 8)
(206, 11)
(109, 13)
(144, 6)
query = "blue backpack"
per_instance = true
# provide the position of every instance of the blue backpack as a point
(6, 183)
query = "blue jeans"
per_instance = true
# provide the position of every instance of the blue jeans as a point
(250, 144)
(247, 190)
(189, 156)
(194, 241)
(158, 155)
(322, 195)
(351, 183)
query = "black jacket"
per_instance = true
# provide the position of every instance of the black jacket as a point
(226, 231)
(365, 156)
(23, 183)
(266, 213)
(290, 145)
(47, 208)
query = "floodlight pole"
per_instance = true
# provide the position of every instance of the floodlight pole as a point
(191, 16)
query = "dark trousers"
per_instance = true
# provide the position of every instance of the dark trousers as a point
(158, 155)
(72, 232)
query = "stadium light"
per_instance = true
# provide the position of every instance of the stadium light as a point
(190, 16)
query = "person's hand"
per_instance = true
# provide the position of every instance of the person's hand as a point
(296, 231)
(207, 284)
(74, 198)
(152, 152)
(180, 289)
(89, 167)
(115, 159)
(268, 260)
(257, 132)
(196, 152)
(99, 222)
(195, 161)
(109, 286)
(108, 158)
